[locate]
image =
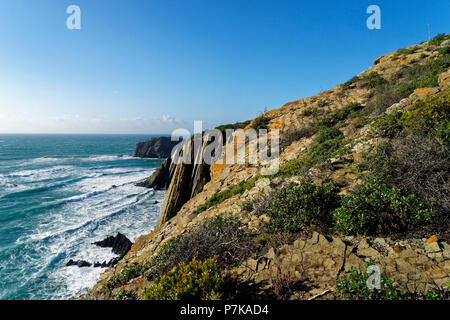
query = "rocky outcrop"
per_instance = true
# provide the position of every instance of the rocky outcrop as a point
(120, 244)
(160, 179)
(160, 147)
(187, 181)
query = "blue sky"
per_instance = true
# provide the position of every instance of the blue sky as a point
(148, 66)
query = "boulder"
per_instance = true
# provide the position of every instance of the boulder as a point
(120, 244)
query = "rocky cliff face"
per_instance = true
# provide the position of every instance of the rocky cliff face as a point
(316, 258)
(161, 178)
(186, 182)
(155, 148)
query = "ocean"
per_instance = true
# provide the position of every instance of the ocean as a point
(60, 193)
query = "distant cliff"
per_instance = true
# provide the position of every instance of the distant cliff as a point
(159, 147)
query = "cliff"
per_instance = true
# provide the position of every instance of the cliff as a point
(159, 147)
(364, 176)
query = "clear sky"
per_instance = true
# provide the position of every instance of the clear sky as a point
(146, 66)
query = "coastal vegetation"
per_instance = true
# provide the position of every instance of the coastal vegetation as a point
(365, 177)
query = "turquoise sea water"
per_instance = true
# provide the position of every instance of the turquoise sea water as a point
(60, 193)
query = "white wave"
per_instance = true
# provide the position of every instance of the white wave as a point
(108, 157)
(41, 160)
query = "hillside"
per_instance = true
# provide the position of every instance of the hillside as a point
(363, 179)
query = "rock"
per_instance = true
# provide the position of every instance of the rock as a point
(82, 263)
(161, 177)
(446, 251)
(120, 244)
(271, 254)
(424, 92)
(363, 245)
(432, 247)
(444, 80)
(78, 263)
(160, 147)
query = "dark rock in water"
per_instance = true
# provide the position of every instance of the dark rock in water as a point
(120, 244)
(97, 264)
(156, 202)
(79, 263)
(114, 186)
(70, 263)
(160, 147)
(82, 263)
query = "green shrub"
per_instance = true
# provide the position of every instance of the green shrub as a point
(307, 112)
(221, 196)
(444, 51)
(127, 274)
(388, 125)
(247, 205)
(321, 103)
(377, 208)
(406, 81)
(382, 164)
(350, 110)
(353, 286)
(425, 114)
(327, 133)
(261, 123)
(199, 280)
(298, 206)
(406, 51)
(350, 82)
(330, 143)
(436, 41)
(374, 80)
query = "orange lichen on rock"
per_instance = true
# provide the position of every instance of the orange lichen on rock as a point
(423, 92)
(139, 282)
(432, 239)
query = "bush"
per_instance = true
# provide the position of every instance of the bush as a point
(423, 169)
(261, 123)
(406, 81)
(382, 164)
(436, 41)
(350, 82)
(221, 196)
(327, 133)
(321, 103)
(425, 114)
(388, 125)
(298, 206)
(339, 115)
(247, 205)
(353, 286)
(220, 237)
(445, 50)
(194, 280)
(295, 134)
(376, 208)
(374, 80)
